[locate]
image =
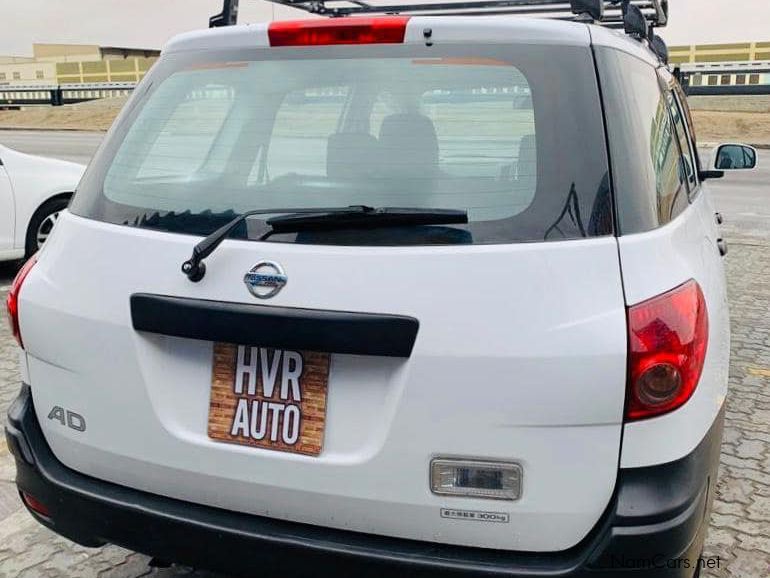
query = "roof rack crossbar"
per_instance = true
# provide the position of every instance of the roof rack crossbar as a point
(654, 11)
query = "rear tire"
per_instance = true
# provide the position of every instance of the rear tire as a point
(42, 223)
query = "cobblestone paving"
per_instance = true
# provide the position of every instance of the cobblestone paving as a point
(740, 523)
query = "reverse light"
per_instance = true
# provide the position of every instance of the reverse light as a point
(476, 479)
(12, 301)
(668, 338)
(35, 505)
(352, 30)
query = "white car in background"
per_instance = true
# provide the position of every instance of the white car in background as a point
(33, 191)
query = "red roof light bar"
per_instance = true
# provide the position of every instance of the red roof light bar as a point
(378, 30)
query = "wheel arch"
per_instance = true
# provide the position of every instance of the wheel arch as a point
(66, 195)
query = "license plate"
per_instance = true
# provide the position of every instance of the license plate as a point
(269, 398)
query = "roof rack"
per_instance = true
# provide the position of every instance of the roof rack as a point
(612, 13)
(228, 16)
(638, 18)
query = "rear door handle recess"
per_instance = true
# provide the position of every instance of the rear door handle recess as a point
(722, 245)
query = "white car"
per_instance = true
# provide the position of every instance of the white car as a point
(33, 192)
(408, 296)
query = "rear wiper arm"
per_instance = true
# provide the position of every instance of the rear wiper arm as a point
(307, 219)
(380, 217)
(195, 268)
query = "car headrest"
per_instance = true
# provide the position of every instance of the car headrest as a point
(351, 155)
(528, 152)
(409, 145)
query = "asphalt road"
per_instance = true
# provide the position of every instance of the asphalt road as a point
(74, 146)
(738, 536)
(743, 198)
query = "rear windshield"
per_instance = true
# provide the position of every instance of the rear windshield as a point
(513, 135)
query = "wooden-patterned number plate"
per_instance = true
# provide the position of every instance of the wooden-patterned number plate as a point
(269, 398)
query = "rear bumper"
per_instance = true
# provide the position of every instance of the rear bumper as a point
(655, 525)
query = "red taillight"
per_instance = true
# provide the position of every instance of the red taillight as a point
(35, 505)
(315, 32)
(668, 336)
(12, 301)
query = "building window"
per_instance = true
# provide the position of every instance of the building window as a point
(754, 79)
(740, 79)
(39, 75)
(713, 80)
(17, 75)
(726, 79)
(2, 75)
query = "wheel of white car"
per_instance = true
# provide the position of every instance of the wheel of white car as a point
(42, 223)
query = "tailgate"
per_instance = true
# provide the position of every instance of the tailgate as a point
(520, 356)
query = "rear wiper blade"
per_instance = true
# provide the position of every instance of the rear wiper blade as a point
(195, 268)
(366, 219)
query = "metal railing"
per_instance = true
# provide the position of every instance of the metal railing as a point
(726, 78)
(608, 12)
(17, 96)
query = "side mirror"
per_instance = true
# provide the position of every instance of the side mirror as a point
(734, 157)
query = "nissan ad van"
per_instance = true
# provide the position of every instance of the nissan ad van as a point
(385, 296)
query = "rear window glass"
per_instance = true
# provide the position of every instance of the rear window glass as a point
(486, 130)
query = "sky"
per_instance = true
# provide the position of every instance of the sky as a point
(149, 23)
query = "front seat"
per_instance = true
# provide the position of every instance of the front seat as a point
(351, 155)
(526, 166)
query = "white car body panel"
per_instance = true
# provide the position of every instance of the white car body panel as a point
(7, 213)
(223, 37)
(33, 180)
(682, 250)
(387, 418)
(496, 30)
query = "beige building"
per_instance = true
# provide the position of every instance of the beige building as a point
(52, 64)
(725, 65)
(712, 53)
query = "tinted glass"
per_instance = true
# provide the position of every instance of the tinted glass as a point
(650, 183)
(484, 129)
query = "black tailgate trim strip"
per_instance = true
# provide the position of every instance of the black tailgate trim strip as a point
(279, 327)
